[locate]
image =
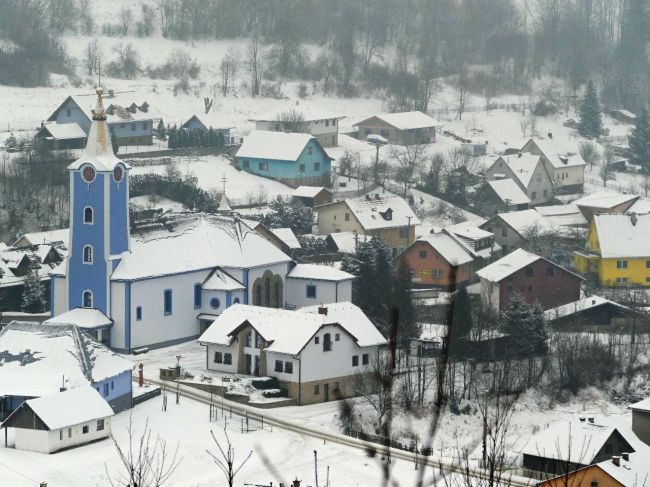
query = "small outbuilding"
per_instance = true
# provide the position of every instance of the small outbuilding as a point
(312, 196)
(641, 420)
(400, 128)
(60, 421)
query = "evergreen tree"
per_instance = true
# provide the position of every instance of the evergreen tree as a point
(296, 216)
(639, 140)
(460, 320)
(211, 139)
(11, 142)
(114, 142)
(220, 139)
(526, 327)
(172, 143)
(591, 124)
(33, 294)
(160, 131)
(408, 327)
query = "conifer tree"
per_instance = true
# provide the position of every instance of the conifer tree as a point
(591, 124)
(33, 293)
(160, 131)
(172, 143)
(526, 327)
(639, 140)
(408, 327)
(460, 320)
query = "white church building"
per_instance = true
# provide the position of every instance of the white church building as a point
(165, 283)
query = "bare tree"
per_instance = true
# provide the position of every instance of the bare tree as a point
(292, 120)
(125, 19)
(228, 67)
(409, 159)
(374, 385)
(127, 64)
(589, 153)
(256, 59)
(93, 57)
(607, 168)
(226, 458)
(528, 124)
(146, 460)
(464, 96)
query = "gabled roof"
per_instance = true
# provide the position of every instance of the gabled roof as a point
(49, 236)
(643, 405)
(319, 272)
(373, 213)
(309, 114)
(509, 192)
(521, 221)
(209, 120)
(468, 230)
(219, 280)
(289, 331)
(287, 236)
(523, 166)
(213, 242)
(632, 472)
(68, 408)
(575, 441)
(86, 318)
(579, 306)
(346, 242)
(604, 200)
(405, 120)
(619, 237)
(278, 146)
(556, 154)
(450, 250)
(308, 191)
(505, 266)
(36, 356)
(642, 205)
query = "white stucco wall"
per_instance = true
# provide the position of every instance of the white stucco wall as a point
(118, 312)
(212, 365)
(60, 296)
(326, 292)
(50, 441)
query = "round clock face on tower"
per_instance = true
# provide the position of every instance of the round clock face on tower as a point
(88, 174)
(118, 174)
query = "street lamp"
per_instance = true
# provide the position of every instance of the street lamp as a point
(378, 141)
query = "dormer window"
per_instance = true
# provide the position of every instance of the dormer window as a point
(388, 214)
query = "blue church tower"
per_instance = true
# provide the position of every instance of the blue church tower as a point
(99, 218)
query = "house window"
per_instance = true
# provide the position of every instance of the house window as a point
(144, 125)
(258, 340)
(87, 299)
(112, 385)
(138, 313)
(355, 360)
(316, 166)
(85, 429)
(88, 254)
(100, 424)
(309, 151)
(132, 127)
(534, 195)
(68, 113)
(546, 193)
(302, 168)
(60, 435)
(263, 166)
(106, 389)
(647, 264)
(327, 343)
(69, 432)
(436, 274)
(347, 217)
(247, 164)
(249, 339)
(621, 280)
(168, 301)
(423, 254)
(227, 359)
(621, 264)
(215, 303)
(384, 133)
(197, 295)
(336, 386)
(316, 390)
(88, 215)
(365, 359)
(550, 271)
(594, 484)
(337, 337)
(235, 301)
(529, 271)
(530, 289)
(327, 123)
(504, 232)
(218, 357)
(278, 366)
(311, 291)
(403, 232)
(288, 367)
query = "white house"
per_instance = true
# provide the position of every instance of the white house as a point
(314, 353)
(60, 421)
(528, 171)
(310, 284)
(566, 168)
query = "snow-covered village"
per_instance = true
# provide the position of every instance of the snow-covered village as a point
(318, 243)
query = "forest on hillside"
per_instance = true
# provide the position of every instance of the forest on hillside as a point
(401, 47)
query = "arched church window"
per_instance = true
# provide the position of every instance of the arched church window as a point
(267, 292)
(257, 298)
(88, 254)
(88, 215)
(88, 174)
(118, 174)
(277, 295)
(88, 299)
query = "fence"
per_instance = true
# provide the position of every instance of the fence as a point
(388, 442)
(440, 112)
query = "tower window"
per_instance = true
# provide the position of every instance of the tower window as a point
(88, 215)
(197, 296)
(138, 313)
(168, 301)
(88, 299)
(88, 254)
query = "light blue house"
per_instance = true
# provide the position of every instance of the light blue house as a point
(291, 158)
(132, 124)
(196, 123)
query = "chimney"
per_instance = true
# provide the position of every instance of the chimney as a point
(322, 310)
(295, 483)
(368, 197)
(616, 460)
(633, 218)
(591, 420)
(377, 196)
(625, 456)
(550, 135)
(582, 419)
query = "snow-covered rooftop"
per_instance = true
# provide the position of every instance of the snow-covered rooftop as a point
(557, 154)
(289, 331)
(221, 281)
(452, 251)
(643, 405)
(64, 131)
(308, 113)
(319, 272)
(468, 230)
(406, 120)
(36, 356)
(509, 192)
(49, 236)
(197, 242)
(507, 265)
(619, 236)
(287, 236)
(307, 191)
(642, 205)
(523, 166)
(87, 318)
(634, 471)
(372, 212)
(280, 146)
(70, 407)
(604, 200)
(346, 242)
(579, 306)
(575, 441)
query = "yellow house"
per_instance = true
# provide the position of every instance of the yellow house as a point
(617, 250)
(387, 216)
